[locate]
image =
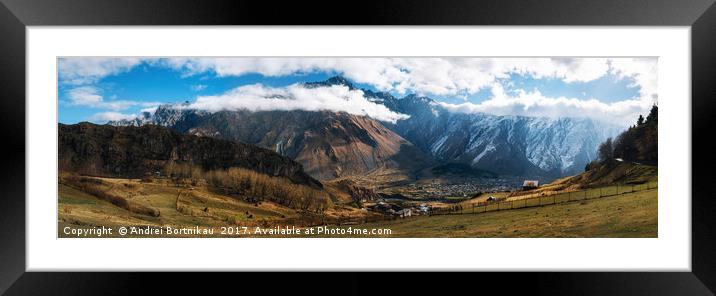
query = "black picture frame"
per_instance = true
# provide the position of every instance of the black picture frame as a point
(16, 15)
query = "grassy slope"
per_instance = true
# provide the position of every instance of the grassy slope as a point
(79, 208)
(617, 173)
(626, 215)
(197, 207)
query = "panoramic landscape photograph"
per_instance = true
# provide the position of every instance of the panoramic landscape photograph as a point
(354, 147)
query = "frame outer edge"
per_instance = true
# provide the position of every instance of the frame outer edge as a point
(12, 112)
(703, 81)
(386, 12)
(12, 117)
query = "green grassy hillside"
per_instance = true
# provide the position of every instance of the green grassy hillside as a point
(626, 215)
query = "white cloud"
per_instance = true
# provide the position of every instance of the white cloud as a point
(456, 77)
(104, 117)
(643, 71)
(84, 96)
(428, 76)
(198, 87)
(536, 105)
(296, 97)
(567, 69)
(87, 70)
(149, 110)
(380, 72)
(90, 96)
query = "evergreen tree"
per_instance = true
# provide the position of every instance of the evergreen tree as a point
(653, 115)
(637, 144)
(606, 151)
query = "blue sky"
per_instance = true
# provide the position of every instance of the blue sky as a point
(156, 84)
(100, 89)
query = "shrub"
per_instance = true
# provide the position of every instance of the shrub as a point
(591, 165)
(256, 187)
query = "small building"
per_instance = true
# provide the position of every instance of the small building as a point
(530, 184)
(404, 213)
(424, 208)
(385, 208)
(491, 198)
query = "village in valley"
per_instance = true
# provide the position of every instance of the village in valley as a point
(459, 189)
(426, 198)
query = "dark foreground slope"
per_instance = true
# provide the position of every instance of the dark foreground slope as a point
(132, 152)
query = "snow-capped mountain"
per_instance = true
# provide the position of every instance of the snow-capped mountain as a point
(511, 145)
(170, 115)
(514, 145)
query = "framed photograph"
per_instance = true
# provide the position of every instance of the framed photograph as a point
(510, 137)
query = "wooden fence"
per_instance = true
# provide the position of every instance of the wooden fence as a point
(543, 200)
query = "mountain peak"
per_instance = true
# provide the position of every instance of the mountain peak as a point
(339, 80)
(417, 98)
(335, 80)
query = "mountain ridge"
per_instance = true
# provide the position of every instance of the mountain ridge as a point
(510, 145)
(104, 150)
(328, 144)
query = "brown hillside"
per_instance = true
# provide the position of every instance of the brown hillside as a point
(328, 144)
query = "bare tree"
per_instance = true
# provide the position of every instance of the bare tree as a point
(606, 151)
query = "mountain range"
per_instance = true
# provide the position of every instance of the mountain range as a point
(337, 144)
(510, 145)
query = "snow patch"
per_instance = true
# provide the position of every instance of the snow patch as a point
(488, 149)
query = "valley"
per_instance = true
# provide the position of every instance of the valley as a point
(624, 215)
(181, 167)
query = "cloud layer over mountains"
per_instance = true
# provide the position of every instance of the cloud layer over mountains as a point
(257, 97)
(534, 104)
(442, 77)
